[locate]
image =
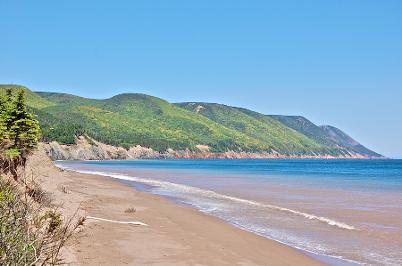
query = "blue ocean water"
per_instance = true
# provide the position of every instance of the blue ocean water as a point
(345, 209)
(370, 174)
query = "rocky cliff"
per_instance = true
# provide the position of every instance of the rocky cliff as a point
(86, 148)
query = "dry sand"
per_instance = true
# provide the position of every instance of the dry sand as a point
(176, 235)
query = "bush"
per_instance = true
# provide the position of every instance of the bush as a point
(130, 210)
(29, 234)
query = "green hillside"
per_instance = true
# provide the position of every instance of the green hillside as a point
(306, 127)
(263, 128)
(131, 119)
(344, 140)
(327, 135)
(33, 99)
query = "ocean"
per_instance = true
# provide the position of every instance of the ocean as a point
(343, 212)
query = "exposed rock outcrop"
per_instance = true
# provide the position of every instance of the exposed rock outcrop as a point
(89, 149)
(86, 148)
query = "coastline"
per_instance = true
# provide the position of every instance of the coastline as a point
(86, 148)
(176, 235)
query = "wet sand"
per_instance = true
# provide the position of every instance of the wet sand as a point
(176, 235)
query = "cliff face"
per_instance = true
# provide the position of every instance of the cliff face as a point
(88, 149)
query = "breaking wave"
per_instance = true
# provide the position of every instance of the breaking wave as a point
(214, 195)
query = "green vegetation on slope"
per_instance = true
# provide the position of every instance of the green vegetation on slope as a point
(269, 132)
(344, 140)
(33, 99)
(326, 135)
(306, 127)
(131, 119)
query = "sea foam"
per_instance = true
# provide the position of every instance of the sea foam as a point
(211, 194)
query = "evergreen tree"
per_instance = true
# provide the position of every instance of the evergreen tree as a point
(24, 129)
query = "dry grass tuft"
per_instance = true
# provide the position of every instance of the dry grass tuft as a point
(39, 195)
(130, 210)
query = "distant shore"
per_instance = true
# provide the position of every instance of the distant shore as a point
(176, 235)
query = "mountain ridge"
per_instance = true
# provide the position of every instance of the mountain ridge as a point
(299, 124)
(196, 129)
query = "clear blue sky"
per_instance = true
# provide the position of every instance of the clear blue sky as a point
(335, 62)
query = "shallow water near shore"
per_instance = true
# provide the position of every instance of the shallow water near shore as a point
(345, 209)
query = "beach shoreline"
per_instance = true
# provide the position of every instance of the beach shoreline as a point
(176, 235)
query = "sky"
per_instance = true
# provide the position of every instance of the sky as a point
(334, 62)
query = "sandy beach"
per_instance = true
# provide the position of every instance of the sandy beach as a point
(176, 235)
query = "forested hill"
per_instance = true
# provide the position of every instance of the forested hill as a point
(137, 119)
